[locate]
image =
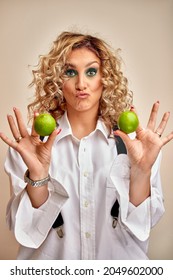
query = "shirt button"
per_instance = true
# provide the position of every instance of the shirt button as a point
(87, 235)
(85, 174)
(86, 203)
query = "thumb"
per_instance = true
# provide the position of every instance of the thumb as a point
(52, 137)
(126, 139)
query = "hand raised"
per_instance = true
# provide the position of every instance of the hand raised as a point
(33, 151)
(144, 149)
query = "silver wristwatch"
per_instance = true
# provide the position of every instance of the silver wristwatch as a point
(37, 183)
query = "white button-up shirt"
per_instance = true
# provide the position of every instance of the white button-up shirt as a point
(87, 176)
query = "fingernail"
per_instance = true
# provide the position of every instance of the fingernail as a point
(59, 131)
(116, 132)
(36, 114)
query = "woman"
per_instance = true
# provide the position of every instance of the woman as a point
(79, 173)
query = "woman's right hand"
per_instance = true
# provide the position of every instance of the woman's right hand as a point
(33, 151)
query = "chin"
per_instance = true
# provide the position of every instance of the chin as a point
(82, 108)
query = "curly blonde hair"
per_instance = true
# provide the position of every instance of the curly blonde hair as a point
(49, 76)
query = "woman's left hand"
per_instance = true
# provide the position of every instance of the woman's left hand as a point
(144, 149)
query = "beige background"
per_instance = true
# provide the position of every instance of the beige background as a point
(141, 28)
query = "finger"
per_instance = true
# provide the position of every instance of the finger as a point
(168, 138)
(163, 123)
(13, 126)
(22, 128)
(8, 141)
(153, 116)
(139, 128)
(51, 138)
(33, 132)
(124, 136)
(132, 108)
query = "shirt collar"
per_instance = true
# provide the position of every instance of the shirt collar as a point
(103, 129)
(64, 124)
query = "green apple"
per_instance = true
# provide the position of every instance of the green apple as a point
(44, 124)
(128, 122)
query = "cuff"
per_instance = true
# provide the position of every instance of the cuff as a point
(138, 220)
(33, 225)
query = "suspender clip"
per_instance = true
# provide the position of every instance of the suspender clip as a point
(114, 222)
(60, 231)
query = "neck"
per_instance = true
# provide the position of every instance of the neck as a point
(82, 123)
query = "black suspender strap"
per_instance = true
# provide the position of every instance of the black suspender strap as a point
(58, 225)
(121, 149)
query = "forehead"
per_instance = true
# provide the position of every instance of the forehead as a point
(82, 56)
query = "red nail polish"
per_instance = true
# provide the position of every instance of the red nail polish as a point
(58, 131)
(116, 132)
(36, 114)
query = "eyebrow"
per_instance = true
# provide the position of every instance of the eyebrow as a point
(88, 64)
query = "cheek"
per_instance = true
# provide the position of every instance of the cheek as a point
(66, 89)
(97, 86)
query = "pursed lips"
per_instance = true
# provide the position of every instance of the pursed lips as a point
(82, 94)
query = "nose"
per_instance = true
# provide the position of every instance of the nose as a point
(81, 82)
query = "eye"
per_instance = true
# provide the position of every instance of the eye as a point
(91, 72)
(71, 72)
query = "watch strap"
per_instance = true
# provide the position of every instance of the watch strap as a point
(38, 183)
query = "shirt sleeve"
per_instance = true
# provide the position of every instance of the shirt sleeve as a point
(30, 225)
(138, 220)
